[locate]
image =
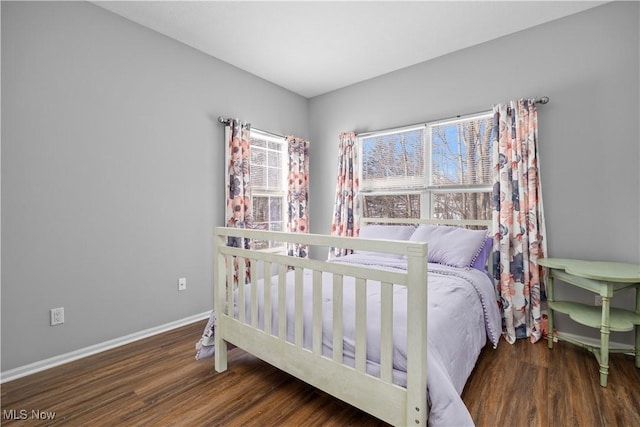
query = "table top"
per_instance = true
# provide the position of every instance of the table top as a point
(597, 270)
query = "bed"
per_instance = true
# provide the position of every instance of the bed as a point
(355, 326)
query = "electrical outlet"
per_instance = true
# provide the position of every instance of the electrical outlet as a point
(57, 316)
(598, 300)
(182, 284)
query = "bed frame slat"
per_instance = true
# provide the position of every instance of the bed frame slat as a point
(254, 294)
(316, 345)
(242, 279)
(230, 282)
(337, 318)
(299, 306)
(282, 302)
(386, 332)
(361, 325)
(268, 306)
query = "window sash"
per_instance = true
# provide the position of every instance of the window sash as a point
(394, 178)
(427, 205)
(414, 208)
(476, 160)
(270, 151)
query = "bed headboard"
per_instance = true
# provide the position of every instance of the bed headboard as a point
(454, 222)
(466, 223)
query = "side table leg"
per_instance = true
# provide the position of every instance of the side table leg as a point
(604, 341)
(637, 346)
(638, 328)
(549, 309)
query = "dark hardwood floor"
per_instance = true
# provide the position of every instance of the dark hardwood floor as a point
(157, 382)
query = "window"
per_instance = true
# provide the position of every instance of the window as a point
(268, 184)
(438, 170)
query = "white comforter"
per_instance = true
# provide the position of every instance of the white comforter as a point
(462, 314)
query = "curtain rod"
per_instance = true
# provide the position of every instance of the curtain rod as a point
(542, 100)
(227, 121)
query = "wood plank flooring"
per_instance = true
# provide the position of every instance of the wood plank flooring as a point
(157, 382)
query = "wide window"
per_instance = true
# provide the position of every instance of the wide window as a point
(438, 170)
(268, 184)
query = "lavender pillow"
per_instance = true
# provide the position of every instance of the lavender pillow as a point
(480, 263)
(388, 232)
(452, 246)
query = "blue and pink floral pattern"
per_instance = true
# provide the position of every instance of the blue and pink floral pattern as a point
(346, 210)
(238, 210)
(238, 205)
(518, 220)
(298, 193)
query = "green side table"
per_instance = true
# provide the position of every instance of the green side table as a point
(605, 279)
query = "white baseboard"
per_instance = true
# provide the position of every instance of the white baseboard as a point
(32, 368)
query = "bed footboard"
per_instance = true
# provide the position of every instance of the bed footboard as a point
(242, 325)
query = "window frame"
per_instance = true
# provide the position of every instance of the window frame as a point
(281, 192)
(428, 190)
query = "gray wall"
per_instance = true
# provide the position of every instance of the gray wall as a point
(112, 170)
(589, 148)
(112, 173)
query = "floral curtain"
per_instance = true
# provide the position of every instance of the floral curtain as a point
(298, 193)
(346, 210)
(518, 220)
(238, 192)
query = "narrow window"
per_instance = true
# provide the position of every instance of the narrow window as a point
(268, 184)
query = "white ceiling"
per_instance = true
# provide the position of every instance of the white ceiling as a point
(314, 47)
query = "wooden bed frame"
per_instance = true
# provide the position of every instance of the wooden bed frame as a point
(379, 397)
